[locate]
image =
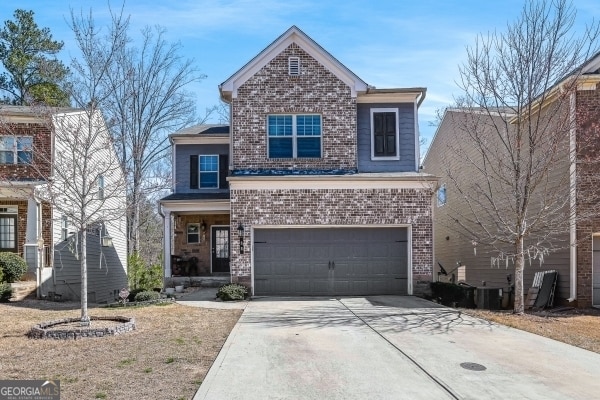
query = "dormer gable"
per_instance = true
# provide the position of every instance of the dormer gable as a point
(228, 89)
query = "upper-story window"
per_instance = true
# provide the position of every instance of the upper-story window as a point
(384, 134)
(294, 136)
(209, 171)
(16, 149)
(101, 187)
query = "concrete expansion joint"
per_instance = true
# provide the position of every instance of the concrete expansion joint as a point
(435, 379)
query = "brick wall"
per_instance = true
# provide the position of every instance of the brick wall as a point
(335, 207)
(588, 187)
(42, 147)
(272, 90)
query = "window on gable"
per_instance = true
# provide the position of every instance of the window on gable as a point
(384, 133)
(16, 149)
(441, 196)
(294, 66)
(294, 136)
(209, 171)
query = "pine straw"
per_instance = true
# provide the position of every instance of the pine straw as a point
(577, 327)
(166, 357)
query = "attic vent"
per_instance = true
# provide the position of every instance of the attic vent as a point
(294, 66)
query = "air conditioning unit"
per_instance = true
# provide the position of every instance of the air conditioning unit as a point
(489, 298)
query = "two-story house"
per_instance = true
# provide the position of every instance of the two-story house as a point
(573, 179)
(324, 193)
(33, 227)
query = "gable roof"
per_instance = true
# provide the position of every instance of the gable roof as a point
(228, 89)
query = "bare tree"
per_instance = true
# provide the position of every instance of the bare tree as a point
(147, 101)
(86, 183)
(513, 135)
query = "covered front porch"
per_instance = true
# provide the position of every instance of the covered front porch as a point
(196, 235)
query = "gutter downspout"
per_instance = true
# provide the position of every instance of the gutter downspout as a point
(572, 200)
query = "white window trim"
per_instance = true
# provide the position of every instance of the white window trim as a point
(373, 156)
(187, 232)
(15, 149)
(295, 137)
(211, 172)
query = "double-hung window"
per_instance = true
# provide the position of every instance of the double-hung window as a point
(294, 136)
(209, 171)
(16, 149)
(384, 134)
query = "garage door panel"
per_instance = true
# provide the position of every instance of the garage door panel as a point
(296, 261)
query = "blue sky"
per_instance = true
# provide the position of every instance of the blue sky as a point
(387, 43)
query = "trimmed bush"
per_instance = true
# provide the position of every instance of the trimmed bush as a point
(147, 296)
(5, 292)
(13, 266)
(232, 291)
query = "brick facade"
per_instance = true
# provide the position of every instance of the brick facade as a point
(320, 207)
(588, 184)
(273, 91)
(42, 148)
(201, 250)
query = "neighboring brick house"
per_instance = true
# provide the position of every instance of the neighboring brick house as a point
(324, 193)
(33, 228)
(578, 261)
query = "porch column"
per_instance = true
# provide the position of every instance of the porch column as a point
(167, 236)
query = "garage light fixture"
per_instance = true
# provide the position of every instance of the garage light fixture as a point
(240, 229)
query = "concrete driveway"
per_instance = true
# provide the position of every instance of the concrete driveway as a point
(390, 347)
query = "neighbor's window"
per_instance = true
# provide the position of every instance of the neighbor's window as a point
(193, 233)
(101, 187)
(384, 133)
(294, 136)
(209, 171)
(64, 228)
(16, 149)
(441, 196)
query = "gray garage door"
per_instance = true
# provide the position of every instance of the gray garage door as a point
(330, 261)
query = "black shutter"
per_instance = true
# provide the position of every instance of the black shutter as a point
(194, 172)
(384, 134)
(223, 171)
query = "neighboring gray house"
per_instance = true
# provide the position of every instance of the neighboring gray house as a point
(33, 228)
(577, 259)
(323, 194)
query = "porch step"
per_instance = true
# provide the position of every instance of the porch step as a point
(23, 290)
(202, 281)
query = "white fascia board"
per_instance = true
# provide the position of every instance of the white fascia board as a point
(294, 36)
(388, 98)
(204, 206)
(200, 140)
(330, 182)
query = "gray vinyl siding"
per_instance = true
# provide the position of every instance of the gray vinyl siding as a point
(182, 164)
(407, 137)
(450, 248)
(106, 274)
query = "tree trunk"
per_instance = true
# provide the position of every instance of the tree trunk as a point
(85, 319)
(519, 267)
